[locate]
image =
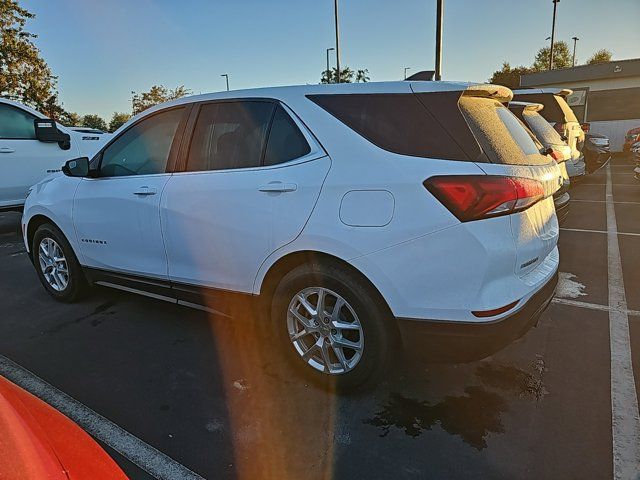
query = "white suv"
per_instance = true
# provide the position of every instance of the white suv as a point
(362, 215)
(29, 153)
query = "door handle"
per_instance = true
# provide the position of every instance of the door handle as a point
(279, 187)
(6, 150)
(144, 191)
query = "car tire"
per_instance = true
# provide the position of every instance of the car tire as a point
(56, 264)
(368, 319)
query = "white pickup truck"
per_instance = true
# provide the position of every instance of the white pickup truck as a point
(32, 146)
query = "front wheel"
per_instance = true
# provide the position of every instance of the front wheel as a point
(56, 264)
(332, 326)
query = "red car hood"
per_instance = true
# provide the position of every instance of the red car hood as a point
(38, 442)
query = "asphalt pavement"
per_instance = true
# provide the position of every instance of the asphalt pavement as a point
(211, 394)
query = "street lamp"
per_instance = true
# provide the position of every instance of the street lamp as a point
(328, 72)
(439, 20)
(575, 40)
(405, 72)
(553, 32)
(335, 5)
(226, 76)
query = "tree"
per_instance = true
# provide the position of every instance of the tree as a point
(24, 75)
(509, 77)
(601, 56)
(346, 75)
(71, 119)
(156, 94)
(561, 57)
(94, 121)
(117, 120)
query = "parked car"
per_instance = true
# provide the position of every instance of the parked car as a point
(597, 151)
(635, 152)
(26, 158)
(362, 216)
(551, 144)
(630, 138)
(38, 442)
(558, 112)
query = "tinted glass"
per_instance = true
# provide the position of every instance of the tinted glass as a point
(144, 148)
(542, 129)
(16, 123)
(286, 141)
(399, 123)
(229, 135)
(502, 136)
(555, 108)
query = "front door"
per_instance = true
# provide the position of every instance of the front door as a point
(116, 214)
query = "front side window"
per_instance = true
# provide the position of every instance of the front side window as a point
(16, 124)
(144, 148)
(230, 135)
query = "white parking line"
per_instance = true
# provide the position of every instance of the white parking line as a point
(625, 418)
(591, 306)
(604, 201)
(597, 231)
(129, 446)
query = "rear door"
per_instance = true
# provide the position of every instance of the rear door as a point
(512, 152)
(252, 175)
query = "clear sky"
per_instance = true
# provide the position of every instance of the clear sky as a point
(102, 50)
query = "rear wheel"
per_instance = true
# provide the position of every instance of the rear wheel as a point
(332, 326)
(56, 264)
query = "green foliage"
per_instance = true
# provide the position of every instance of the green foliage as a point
(94, 121)
(117, 120)
(601, 56)
(71, 119)
(562, 57)
(157, 94)
(24, 75)
(508, 76)
(346, 76)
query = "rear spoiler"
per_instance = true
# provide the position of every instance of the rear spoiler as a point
(527, 106)
(497, 92)
(563, 92)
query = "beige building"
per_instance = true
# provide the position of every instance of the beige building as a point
(606, 95)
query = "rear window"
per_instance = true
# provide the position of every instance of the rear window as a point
(502, 136)
(556, 109)
(542, 129)
(399, 123)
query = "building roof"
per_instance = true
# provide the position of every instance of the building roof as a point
(608, 70)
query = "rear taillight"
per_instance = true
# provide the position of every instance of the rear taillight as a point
(473, 197)
(556, 155)
(585, 127)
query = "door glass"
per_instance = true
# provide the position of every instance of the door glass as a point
(16, 123)
(144, 148)
(286, 141)
(229, 135)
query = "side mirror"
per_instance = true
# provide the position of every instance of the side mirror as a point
(47, 131)
(78, 167)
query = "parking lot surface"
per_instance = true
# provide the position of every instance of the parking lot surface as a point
(210, 392)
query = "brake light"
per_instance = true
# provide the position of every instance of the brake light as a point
(474, 197)
(586, 127)
(556, 155)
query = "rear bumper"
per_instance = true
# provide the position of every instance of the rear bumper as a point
(466, 341)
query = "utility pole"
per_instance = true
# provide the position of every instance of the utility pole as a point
(335, 4)
(575, 40)
(405, 72)
(553, 33)
(226, 75)
(328, 71)
(439, 19)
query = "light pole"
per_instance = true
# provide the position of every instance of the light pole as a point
(226, 76)
(328, 72)
(439, 19)
(405, 72)
(335, 5)
(575, 40)
(553, 32)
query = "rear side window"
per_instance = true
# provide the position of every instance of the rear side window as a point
(16, 124)
(286, 141)
(502, 136)
(542, 129)
(399, 123)
(229, 135)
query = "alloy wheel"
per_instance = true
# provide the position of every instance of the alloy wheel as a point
(53, 264)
